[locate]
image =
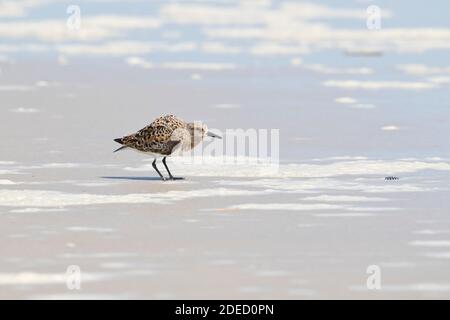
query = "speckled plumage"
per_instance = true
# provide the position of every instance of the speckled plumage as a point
(159, 137)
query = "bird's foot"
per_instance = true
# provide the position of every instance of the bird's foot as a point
(176, 178)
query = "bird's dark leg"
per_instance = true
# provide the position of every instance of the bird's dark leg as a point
(168, 171)
(156, 168)
(167, 168)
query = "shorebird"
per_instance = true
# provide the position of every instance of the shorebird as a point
(165, 136)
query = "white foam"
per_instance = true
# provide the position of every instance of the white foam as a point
(339, 158)
(363, 106)
(416, 287)
(44, 84)
(390, 128)
(313, 185)
(6, 163)
(36, 210)
(61, 165)
(256, 12)
(94, 184)
(438, 255)
(203, 66)
(99, 255)
(274, 29)
(431, 232)
(6, 182)
(25, 110)
(343, 198)
(284, 206)
(94, 28)
(430, 243)
(246, 167)
(15, 8)
(227, 106)
(378, 85)
(116, 265)
(44, 198)
(90, 229)
(125, 48)
(139, 62)
(33, 278)
(422, 70)
(345, 100)
(320, 68)
(343, 215)
(274, 48)
(377, 209)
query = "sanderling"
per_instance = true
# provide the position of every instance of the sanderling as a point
(165, 136)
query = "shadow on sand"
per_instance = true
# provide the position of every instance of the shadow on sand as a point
(133, 178)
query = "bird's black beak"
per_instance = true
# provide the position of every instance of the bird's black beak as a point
(210, 134)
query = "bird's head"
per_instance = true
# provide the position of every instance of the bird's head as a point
(199, 130)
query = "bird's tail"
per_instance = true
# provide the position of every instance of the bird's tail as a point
(122, 147)
(119, 140)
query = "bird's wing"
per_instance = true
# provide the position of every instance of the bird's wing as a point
(168, 147)
(157, 137)
(169, 121)
(157, 133)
